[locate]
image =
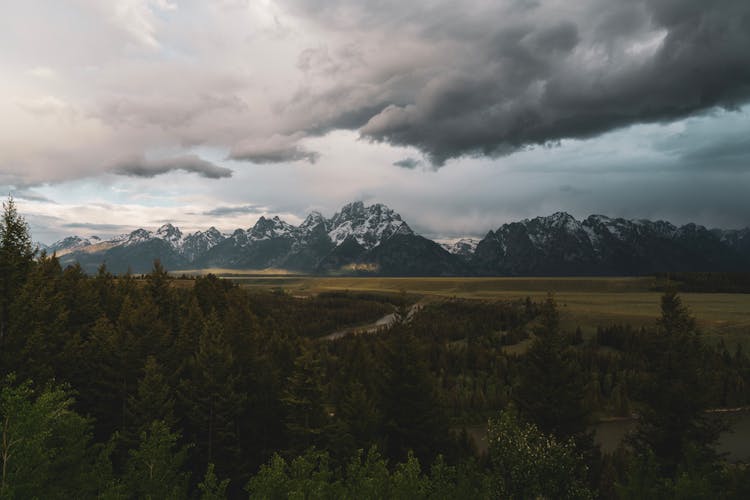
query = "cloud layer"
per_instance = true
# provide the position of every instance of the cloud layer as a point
(255, 80)
(142, 167)
(506, 75)
(292, 104)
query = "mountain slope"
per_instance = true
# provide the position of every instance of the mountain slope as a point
(374, 239)
(560, 245)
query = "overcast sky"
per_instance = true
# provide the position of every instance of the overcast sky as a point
(120, 114)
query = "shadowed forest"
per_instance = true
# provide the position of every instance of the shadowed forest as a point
(131, 387)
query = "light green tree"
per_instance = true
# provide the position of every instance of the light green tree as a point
(527, 463)
(211, 487)
(154, 469)
(43, 443)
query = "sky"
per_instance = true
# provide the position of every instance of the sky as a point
(460, 116)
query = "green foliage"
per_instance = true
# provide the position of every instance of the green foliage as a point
(642, 480)
(307, 476)
(412, 413)
(366, 476)
(44, 444)
(529, 464)
(212, 400)
(675, 392)
(16, 261)
(211, 487)
(244, 375)
(153, 400)
(303, 400)
(552, 384)
(154, 469)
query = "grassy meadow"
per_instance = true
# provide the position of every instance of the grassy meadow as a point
(584, 302)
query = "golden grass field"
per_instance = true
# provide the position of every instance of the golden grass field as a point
(584, 302)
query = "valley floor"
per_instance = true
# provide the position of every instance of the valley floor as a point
(585, 302)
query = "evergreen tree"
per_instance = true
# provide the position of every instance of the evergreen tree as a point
(16, 260)
(212, 400)
(39, 321)
(412, 412)
(359, 412)
(159, 289)
(675, 392)
(306, 417)
(152, 401)
(551, 390)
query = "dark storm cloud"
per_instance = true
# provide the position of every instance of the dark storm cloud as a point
(245, 209)
(506, 75)
(408, 163)
(277, 149)
(142, 167)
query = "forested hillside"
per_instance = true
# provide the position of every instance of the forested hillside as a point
(125, 387)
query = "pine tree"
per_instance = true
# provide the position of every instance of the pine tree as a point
(212, 400)
(552, 385)
(306, 417)
(38, 326)
(413, 415)
(158, 288)
(152, 401)
(16, 260)
(675, 393)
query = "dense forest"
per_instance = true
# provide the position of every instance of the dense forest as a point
(736, 282)
(143, 387)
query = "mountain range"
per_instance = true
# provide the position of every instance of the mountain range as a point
(374, 240)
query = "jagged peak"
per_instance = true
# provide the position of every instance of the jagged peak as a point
(597, 219)
(370, 225)
(169, 231)
(313, 220)
(270, 228)
(558, 219)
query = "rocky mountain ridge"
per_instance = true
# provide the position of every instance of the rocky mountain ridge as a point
(360, 239)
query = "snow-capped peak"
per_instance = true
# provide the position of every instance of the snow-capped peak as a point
(170, 234)
(200, 242)
(270, 228)
(137, 236)
(313, 220)
(72, 243)
(370, 226)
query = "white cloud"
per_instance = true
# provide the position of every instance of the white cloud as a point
(43, 72)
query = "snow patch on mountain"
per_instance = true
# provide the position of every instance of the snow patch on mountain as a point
(266, 229)
(71, 243)
(171, 235)
(369, 226)
(463, 247)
